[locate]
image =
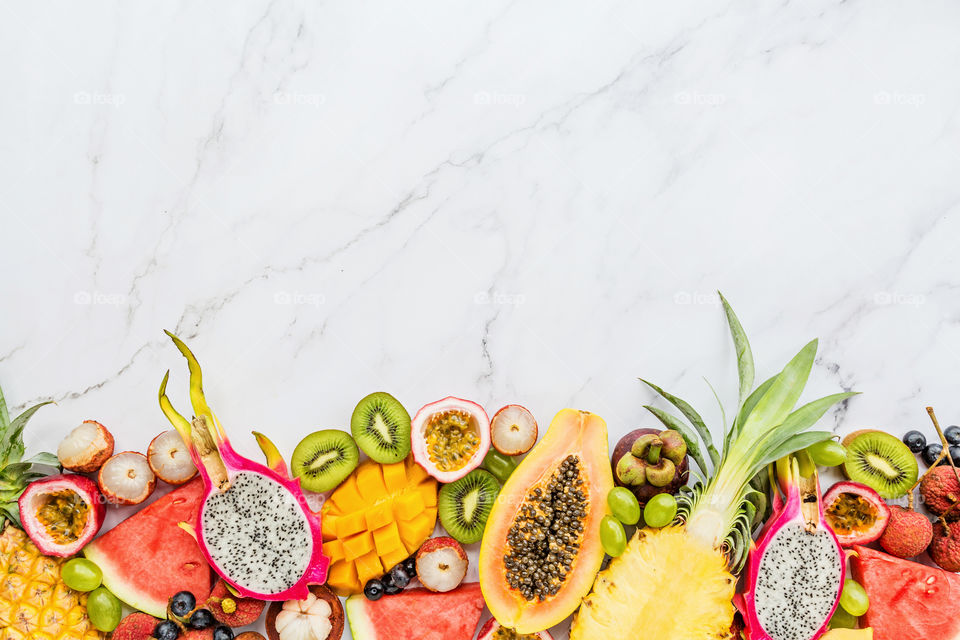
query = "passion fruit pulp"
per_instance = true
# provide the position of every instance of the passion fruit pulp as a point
(61, 513)
(450, 438)
(855, 512)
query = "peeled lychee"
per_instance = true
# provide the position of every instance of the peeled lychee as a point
(941, 492)
(86, 448)
(908, 533)
(945, 548)
(169, 458)
(441, 564)
(127, 478)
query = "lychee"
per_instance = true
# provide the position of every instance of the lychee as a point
(941, 492)
(908, 533)
(945, 548)
(441, 564)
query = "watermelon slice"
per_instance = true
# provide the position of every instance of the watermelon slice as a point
(417, 614)
(907, 599)
(148, 558)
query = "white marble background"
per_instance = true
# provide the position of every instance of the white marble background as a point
(521, 201)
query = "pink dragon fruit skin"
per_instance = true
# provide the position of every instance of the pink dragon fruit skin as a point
(787, 516)
(236, 466)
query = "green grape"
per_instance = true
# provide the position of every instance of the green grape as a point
(660, 511)
(103, 609)
(854, 598)
(624, 505)
(828, 453)
(499, 465)
(612, 536)
(843, 620)
(81, 574)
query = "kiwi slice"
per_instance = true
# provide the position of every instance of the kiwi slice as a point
(324, 459)
(883, 463)
(381, 427)
(465, 504)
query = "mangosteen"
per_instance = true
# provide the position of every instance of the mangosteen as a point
(650, 461)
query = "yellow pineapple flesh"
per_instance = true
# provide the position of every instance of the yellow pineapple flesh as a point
(34, 603)
(666, 586)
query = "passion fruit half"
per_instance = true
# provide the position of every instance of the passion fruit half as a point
(62, 513)
(492, 630)
(450, 437)
(855, 512)
(295, 619)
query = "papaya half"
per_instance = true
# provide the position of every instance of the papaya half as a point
(541, 548)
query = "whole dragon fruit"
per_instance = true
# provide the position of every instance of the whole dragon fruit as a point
(795, 573)
(255, 526)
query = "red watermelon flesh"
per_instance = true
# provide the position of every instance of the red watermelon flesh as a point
(907, 599)
(417, 614)
(148, 558)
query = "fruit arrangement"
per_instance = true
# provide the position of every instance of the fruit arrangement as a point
(377, 528)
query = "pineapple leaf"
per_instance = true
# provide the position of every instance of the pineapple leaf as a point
(723, 413)
(745, 369)
(691, 414)
(44, 458)
(672, 422)
(779, 400)
(11, 512)
(4, 415)
(14, 437)
(797, 442)
(747, 409)
(797, 422)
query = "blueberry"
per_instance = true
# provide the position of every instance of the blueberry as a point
(373, 590)
(201, 619)
(399, 576)
(392, 589)
(931, 452)
(223, 632)
(952, 434)
(410, 566)
(166, 630)
(182, 603)
(955, 454)
(915, 441)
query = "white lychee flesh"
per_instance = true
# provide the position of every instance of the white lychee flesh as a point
(169, 458)
(86, 447)
(126, 478)
(305, 619)
(513, 430)
(441, 570)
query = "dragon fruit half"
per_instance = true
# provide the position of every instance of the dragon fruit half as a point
(796, 571)
(255, 527)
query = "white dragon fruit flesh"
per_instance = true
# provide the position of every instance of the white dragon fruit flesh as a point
(796, 571)
(255, 526)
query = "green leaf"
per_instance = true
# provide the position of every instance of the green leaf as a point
(4, 416)
(11, 512)
(15, 448)
(745, 369)
(747, 409)
(672, 422)
(796, 443)
(694, 418)
(44, 458)
(723, 413)
(779, 400)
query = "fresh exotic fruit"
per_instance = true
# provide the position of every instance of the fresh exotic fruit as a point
(136, 626)
(169, 458)
(945, 547)
(908, 533)
(450, 437)
(254, 527)
(441, 564)
(86, 448)
(940, 491)
(232, 610)
(855, 512)
(667, 472)
(319, 616)
(492, 630)
(61, 513)
(127, 478)
(513, 430)
(795, 574)
(678, 582)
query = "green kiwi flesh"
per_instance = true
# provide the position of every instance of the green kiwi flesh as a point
(465, 505)
(381, 427)
(324, 459)
(883, 463)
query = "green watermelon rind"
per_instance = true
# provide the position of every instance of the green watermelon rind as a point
(360, 625)
(113, 581)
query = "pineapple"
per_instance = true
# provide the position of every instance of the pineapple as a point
(677, 583)
(34, 603)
